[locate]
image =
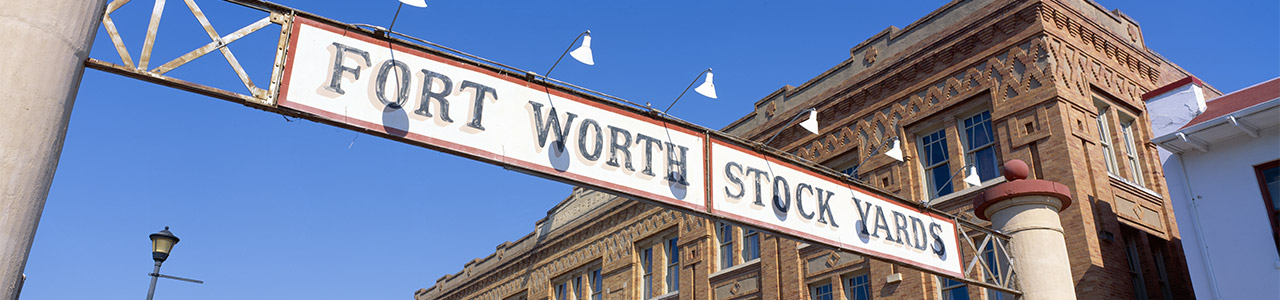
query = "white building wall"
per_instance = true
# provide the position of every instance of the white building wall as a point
(1234, 228)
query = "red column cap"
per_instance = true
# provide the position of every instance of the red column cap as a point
(1016, 171)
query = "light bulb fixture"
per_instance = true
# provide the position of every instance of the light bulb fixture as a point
(972, 176)
(582, 54)
(706, 89)
(895, 151)
(812, 123)
(417, 3)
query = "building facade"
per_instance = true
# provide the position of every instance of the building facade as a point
(1055, 83)
(1221, 159)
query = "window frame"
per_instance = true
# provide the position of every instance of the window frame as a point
(672, 275)
(1135, 266)
(646, 272)
(932, 191)
(569, 284)
(1272, 208)
(946, 286)
(849, 286)
(1131, 149)
(1102, 120)
(971, 151)
(596, 283)
(814, 293)
(750, 244)
(724, 237)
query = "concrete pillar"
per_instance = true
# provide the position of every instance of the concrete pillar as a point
(43, 46)
(1027, 210)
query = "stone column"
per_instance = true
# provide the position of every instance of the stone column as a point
(1027, 211)
(43, 46)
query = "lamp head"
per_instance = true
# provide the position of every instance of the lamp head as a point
(583, 53)
(812, 123)
(971, 176)
(161, 243)
(417, 3)
(895, 151)
(707, 88)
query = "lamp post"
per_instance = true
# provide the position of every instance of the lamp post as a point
(161, 243)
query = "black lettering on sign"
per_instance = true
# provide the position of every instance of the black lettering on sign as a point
(427, 95)
(335, 80)
(552, 124)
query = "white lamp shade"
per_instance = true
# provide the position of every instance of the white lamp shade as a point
(971, 177)
(707, 88)
(583, 53)
(812, 123)
(418, 3)
(894, 151)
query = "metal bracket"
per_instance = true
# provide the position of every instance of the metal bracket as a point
(220, 43)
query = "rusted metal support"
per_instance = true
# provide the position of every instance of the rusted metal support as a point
(152, 29)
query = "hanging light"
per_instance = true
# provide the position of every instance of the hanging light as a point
(971, 176)
(894, 150)
(812, 123)
(707, 88)
(583, 53)
(418, 3)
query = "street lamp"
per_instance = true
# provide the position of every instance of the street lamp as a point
(161, 244)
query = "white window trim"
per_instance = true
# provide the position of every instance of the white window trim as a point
(930, 190)
(969, 151)
(1135, 164)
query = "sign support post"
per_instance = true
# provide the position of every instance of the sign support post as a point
(1027, 210)
(42, 56)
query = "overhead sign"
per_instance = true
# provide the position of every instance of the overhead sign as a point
(764, 192)
(453, 105)
(347, 77)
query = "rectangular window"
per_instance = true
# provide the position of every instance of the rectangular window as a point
(597, 285)
(1104, 138)
(954, 290)
(1269, 182)
(561, 293)
(673, 265)
(821, 292)
(1131, 153)
(577, 286)
(751, 244)
(857, 288)
(1135, 268)
(646, 265)
(980, 147)
(724, 232)
(1163, 273)
(933, 148)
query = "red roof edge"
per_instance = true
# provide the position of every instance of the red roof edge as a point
(1238, 100)
(1169, 87)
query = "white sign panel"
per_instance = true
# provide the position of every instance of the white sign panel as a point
(767, 193)
(350, 78)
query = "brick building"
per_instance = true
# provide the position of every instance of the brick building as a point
(1055, 83)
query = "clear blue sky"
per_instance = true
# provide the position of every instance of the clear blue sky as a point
(270, 209)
